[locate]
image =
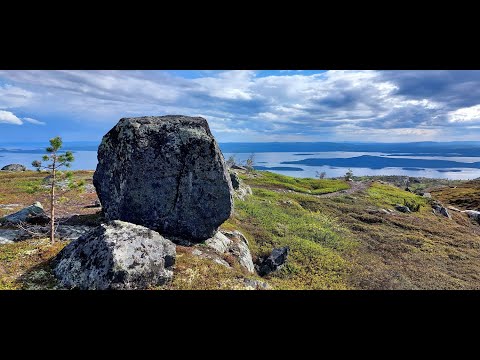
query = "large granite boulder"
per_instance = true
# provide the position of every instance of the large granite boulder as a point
(117, 255)
(14, 167)
(166, 173)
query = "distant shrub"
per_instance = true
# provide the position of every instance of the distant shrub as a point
(348, 175)
(321, 175)
(231, 161)
(250, 163)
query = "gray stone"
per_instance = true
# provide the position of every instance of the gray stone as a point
(252, 284)
(219, 242)
(235, 180)
(273, 262)
(8, 236)
(403, 208)
(243, 191)
(234, 246)
(241, 251)
(117, 255)
(439, 208)
(72, 232)
(427, 195)
(166, 173)
(32, 214)
(473, 214)
(235, 234)
(14, 167)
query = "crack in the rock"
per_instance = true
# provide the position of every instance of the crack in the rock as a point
(179, 180)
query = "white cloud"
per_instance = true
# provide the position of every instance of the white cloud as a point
(7, 117)
(469, 114)
(240, 103)
(13, 96)
(33, 121)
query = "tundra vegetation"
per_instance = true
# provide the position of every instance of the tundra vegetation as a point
(347, 241)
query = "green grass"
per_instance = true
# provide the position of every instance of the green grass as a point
(317, 241)
(302, 185)
(387, 196)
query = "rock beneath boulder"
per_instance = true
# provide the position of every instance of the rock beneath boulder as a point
(117, 255)
(235, 234)
(235, 180)
(439, 208)
(166, 173)
(14, 167)
(31, 214)
(403, 208)
(234, 246)
(273, 262)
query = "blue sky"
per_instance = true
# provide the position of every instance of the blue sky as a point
(246, 105)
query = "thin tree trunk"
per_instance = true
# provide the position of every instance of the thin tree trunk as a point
(52, 205)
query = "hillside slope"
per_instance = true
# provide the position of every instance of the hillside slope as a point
(351, 238)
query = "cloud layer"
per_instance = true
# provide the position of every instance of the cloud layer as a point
(256, 105)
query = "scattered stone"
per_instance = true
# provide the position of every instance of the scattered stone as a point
(402, 208)
(14, 167)
(427, 195)
(408, 189)
(473, 214)
(252, 284)
(235, 180)
(117, 255)
(8, 236)
(235, 246)
(273, 262)
(243, 192)
(62, 184)
(31, 214)
(166, 173)
(439, 208)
